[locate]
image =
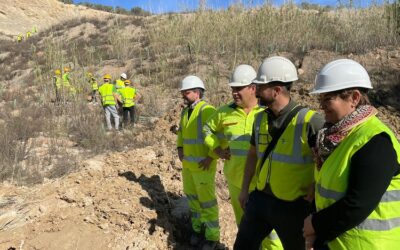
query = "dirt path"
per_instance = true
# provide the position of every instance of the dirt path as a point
(128, 200)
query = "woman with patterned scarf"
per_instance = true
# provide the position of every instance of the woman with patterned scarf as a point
(357, 192)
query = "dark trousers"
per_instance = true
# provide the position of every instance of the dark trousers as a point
(263, 213)
(128, 112)
(94, 95)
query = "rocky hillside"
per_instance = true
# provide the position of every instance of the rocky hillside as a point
(19, 16)
(66, 182)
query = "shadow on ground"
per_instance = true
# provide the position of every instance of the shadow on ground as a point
(162, 202)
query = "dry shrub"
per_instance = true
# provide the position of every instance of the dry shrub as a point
(241, 35)
(18, 127)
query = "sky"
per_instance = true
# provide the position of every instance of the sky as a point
(163, 6)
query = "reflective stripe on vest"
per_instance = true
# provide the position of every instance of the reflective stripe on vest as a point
(193, 158)
(231, 127)
(368, 224)
(128, 95)
(212, 224)
(239, 152)
(291, 156)
(245, 138)
(106, 92)
(296, 156)
(199, 140)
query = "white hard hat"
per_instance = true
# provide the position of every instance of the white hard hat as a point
(191, 82)
(123, 75)
(276, 69)
(243, 75)
(341, 74)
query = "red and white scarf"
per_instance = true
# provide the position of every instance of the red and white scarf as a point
(330, 136)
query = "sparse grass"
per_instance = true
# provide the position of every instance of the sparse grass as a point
(243, 36)
(207, 43)
(28, 111)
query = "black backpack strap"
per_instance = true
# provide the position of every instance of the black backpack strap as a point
(278, 134)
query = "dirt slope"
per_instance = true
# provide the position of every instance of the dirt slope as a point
(19, 16)
(133, 199)
(127, 200)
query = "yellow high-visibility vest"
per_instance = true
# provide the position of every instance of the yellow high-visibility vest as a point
(65, 78)
(231, 127)
(57, 80)
(93, 83)
(128, 95)
(381, 229)
(191, 137)
(289, 168)
(119, 84)
(106, 92)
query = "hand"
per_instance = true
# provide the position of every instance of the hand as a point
(174, 129)
(180, 154)
(310, 193)
(309, 242)
(223, 153)
(308, 228)
(205, 163)
(243, 198)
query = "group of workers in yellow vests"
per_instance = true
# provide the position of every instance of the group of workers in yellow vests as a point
(64, 89)
(118, 98)
(28, 34)
(121, 93)
(293, 176)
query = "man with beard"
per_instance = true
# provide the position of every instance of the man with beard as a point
(228, 134)
(199, 165)
(280, 157)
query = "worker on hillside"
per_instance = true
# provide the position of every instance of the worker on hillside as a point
(28, 34)
(57, 84)
(20, 38)
(357, 192)
(66, 78)
(109, 100)
(199, 165)
(128, 96)
(119, 83)
(280, 156)
(93, 84)
(228, 134)
(68, 88)
(34, 29)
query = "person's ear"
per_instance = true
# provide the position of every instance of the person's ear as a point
(355, 98)
(277, 89)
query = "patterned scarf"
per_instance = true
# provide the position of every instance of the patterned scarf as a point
(330, 136)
